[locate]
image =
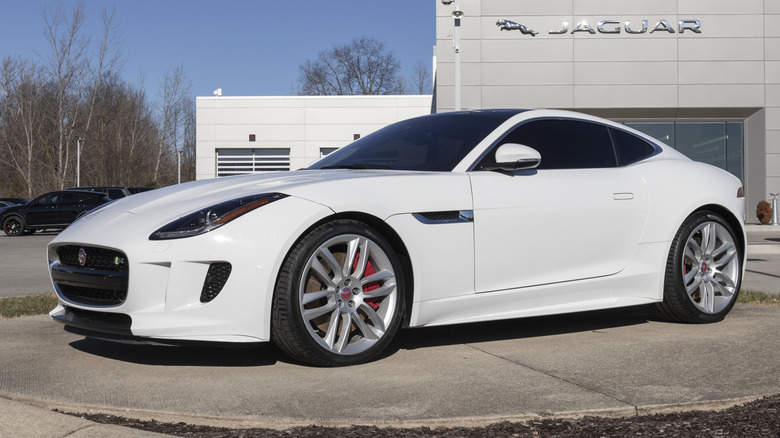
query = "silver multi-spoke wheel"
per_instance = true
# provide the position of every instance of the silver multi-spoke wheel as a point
(340, 295)
(703, 271)
(711, 267)
(348, 294)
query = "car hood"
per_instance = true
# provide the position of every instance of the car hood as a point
(379, 192)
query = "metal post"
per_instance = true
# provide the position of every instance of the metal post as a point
(179, 155)
(774, 209)
(456, 15)
(78, 161)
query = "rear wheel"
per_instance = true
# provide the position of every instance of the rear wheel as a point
(14, 226)
(703, 271)
(339, 296)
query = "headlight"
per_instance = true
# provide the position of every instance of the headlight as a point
(212, 217)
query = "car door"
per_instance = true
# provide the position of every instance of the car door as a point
(577, 216)
(69, 204)
(42, 211)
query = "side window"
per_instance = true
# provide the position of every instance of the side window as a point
(566, 144)
(630, 148)
(49, 199)
(68, 198)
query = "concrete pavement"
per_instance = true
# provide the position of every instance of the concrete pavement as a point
(23, 266)
(620, 362)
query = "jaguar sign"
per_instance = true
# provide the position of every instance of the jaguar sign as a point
(609, 27)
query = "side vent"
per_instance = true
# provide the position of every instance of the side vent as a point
(216, 277)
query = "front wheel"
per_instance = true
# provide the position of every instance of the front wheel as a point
(14, 226)
(703, 271)
(339, 296)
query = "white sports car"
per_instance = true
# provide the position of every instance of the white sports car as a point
(442, 219)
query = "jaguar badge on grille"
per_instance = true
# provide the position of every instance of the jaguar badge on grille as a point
(82, 257)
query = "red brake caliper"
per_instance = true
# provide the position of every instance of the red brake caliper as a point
(368, 287)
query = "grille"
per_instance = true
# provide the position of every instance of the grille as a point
(216, 277)
(95, 258)
(92, 296)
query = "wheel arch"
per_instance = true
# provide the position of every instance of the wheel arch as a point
(392, 237)
(734, 222)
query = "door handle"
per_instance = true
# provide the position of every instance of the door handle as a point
(623, 196)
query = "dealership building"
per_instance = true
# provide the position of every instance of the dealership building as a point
(702, 76)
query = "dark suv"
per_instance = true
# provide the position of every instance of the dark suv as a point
(54, 210)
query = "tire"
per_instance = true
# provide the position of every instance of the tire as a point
(703, 270)
(14, 226)
(332, 306)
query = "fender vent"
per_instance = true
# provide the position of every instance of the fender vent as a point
(445, 217)
(216, 277)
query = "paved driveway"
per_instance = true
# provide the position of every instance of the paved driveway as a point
(23, 265)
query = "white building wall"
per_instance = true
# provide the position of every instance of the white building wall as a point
(772, 77)
(729, 71)
(304, 124)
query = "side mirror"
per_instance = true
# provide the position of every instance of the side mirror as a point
(513, 156)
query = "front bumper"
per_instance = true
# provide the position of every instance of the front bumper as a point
(216, 287)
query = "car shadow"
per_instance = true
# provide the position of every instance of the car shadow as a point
(264, 354)
(211, 355)
(522, 328)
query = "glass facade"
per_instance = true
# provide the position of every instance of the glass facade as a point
(716, 143)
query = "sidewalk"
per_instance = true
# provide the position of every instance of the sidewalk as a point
(762, 272)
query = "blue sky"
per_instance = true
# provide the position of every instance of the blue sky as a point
(245, 47)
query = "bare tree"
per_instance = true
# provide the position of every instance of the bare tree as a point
(22, 121)
(66, 67)
(421, 79)
(175, 93)
(362, 67)
(72, 71)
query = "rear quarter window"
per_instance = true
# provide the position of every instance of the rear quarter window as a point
(630, 148)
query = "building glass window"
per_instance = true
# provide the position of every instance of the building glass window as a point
(248, 161)
(327, 151)
(716, 143)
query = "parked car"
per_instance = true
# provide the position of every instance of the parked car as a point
(53, 210)
(113, 192)
(448, 218)
(5, 204)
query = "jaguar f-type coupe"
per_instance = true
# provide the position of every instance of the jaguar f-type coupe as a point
(441, 219)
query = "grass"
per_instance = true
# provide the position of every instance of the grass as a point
(747, 296)
(16, 307)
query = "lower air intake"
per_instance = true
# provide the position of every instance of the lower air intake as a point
(216, 277)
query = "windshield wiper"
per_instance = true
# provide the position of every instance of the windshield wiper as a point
(358, 166)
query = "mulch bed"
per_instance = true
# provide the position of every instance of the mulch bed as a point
(760, 418)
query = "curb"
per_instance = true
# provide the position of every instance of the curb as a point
(288, 422)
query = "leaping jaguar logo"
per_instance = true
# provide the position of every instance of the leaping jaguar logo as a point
(511, 25)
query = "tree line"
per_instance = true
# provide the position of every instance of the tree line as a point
(72, 101)
(74, 95)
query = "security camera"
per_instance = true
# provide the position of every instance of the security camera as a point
(446, 2)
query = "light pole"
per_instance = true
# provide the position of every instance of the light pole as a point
(179, 155)
(78, 161)
(457, 13)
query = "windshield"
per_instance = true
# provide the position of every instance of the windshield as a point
(430, 143)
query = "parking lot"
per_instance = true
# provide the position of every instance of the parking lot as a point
(23, 266)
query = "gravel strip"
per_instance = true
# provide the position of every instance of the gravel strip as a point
(759, 418)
